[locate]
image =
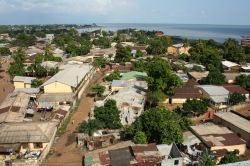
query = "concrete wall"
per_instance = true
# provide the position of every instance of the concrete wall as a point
(21, 85)
(171, 162)
(241, 148)
(57, 87)
(242, 133)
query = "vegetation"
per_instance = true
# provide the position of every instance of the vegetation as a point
(159, 125)
(198, 107)
(98, 89)
(102, 42)
(99, 62)
(236, 98)
(158, 46)
(17, 67)
(232, 51)
(140, 138)
(207, 159)
(4, 51)
(243, 81)
(123, 54)
(113, 76)
(36, 83)
(215, 77)
(107, 116)
(230, 157)
(160, 76)
(24, 40)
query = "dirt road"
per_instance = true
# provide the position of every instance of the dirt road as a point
(6, 85)
(65, 151)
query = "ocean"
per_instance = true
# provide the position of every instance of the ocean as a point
(191, 31)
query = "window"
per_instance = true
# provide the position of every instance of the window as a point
(176, 162)
(38, 145)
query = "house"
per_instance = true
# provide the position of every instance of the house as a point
(137, 155)
(49, 37)
(14, 107)
(58, 53)
(130, 102)
(22, 82)
(231, 77)
(218, 138)
(236, 89)
(117, 85)
(236, 123)
(48, 65)
(159, 34)
(183, 76)
(29, 142)
(188, 92)
(198, 76)
(172, 155)
(134, 75)
(100, 139)
(32, 50)
(69, 80)
(230, 66)
(218, 95)
(178, 49)
(192, 66)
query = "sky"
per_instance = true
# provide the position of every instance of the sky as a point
(227, 12)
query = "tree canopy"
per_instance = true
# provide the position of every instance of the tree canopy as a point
(140, 138)
(233, 51)
(230, 157)
(215, 77)
(17, 67)
(123, 54)
(207, 159)
(243, 81)
(236, 98)
(113, 76)
(109, 115)
(98, 89)
(198, 107)
(159, 125)
(99, 62)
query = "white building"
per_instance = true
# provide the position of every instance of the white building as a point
(50, 37)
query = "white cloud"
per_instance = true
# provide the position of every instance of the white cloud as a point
(94, 7)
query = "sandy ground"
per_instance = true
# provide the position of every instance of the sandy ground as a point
(6, 85)
(64, 150)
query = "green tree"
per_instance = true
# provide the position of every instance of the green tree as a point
(236, 98)
(158, 46)
(243, 81)
(198, 107)
(139, 53)
(4, 51)
(160, 76)
(109, 115)
(207, 159)
(155, 97)
(90, 127)
(17, 67)
(230, 157)
(99, 62)
(140, 138)
(160, 126)
(36, 83)
(215, 77)
(53, 71)
(102, 42)
(98, 89)
(123, 54)
(233, 51)
(113, 76)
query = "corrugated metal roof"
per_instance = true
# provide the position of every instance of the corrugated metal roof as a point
(26, 80)
(71, 76)
(27, 132)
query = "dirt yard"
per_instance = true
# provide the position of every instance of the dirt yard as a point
(64, 150)
(6, 85)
